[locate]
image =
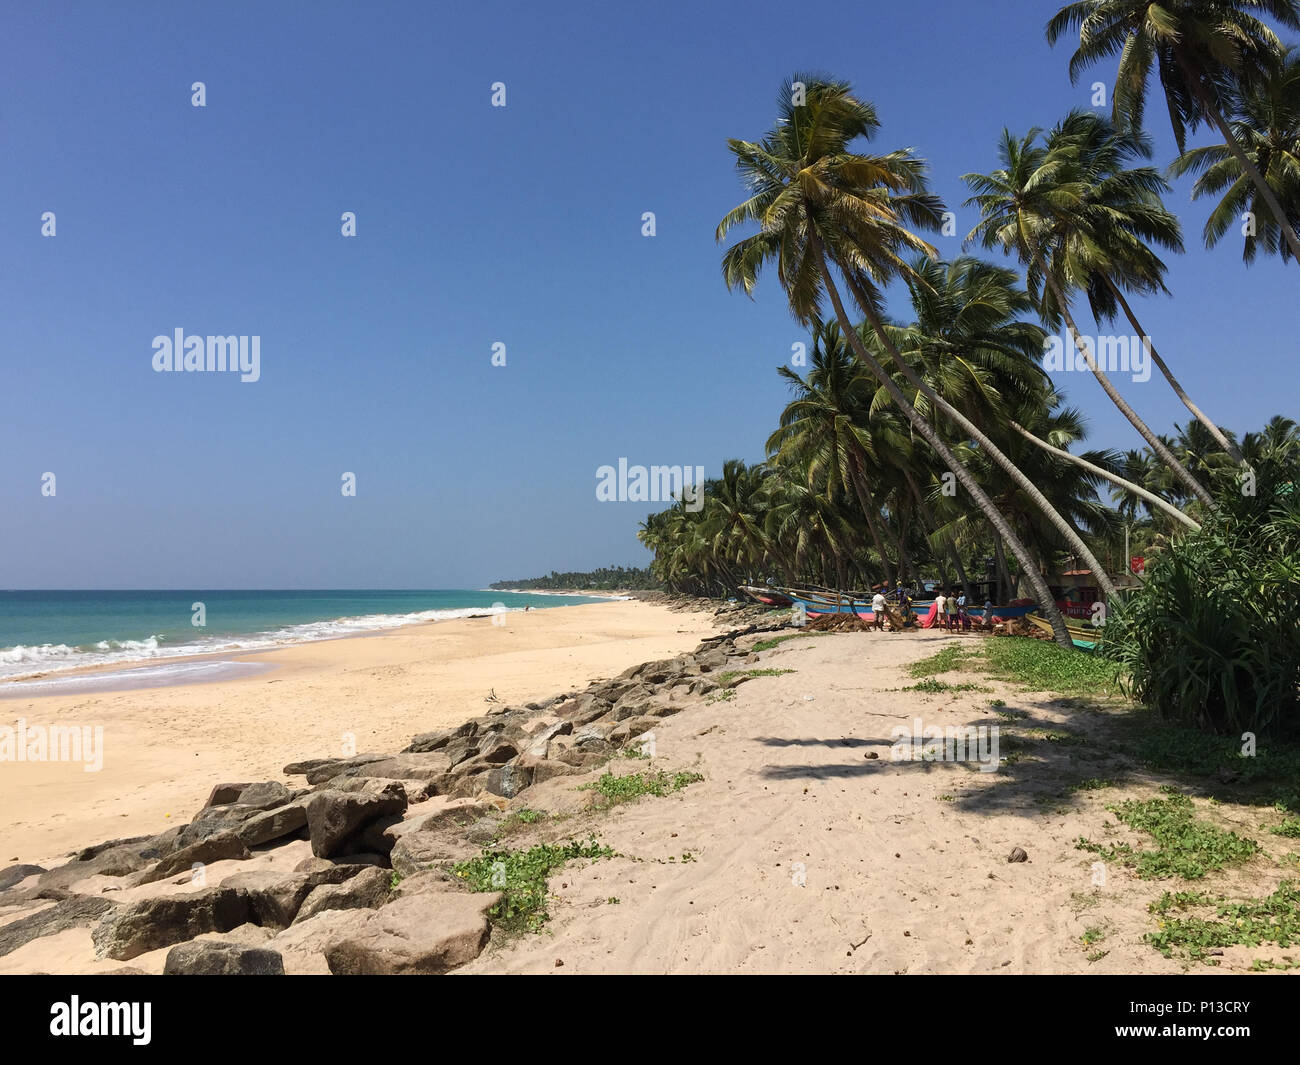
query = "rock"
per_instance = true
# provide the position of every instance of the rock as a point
(497, 750)
(336, 818)
(274, 898)
(417, 851)
(273, 824)
(222, 794)
(430, 741)
(585, 709)
(421, 934)
(594, 734)
(427, 767)
(265, 796)
(222, 847)
(134, 843)
(366, 890)
(662, 710)
(509, 780)
(1017, 855)
(587, 757)
(71, 913)
(416, 791)
(544, 769)
(16, 874)
(633, 703)
(629, 729)
(150, 924)
(215, 820)
(118, 861)
(222, 959)
(712, 659)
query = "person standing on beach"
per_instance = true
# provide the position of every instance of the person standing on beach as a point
(940, 603)
(951, 605)
(878, 607)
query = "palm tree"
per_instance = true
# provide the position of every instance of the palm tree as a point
(827, 424)
(1199, 49)
(818, 204)
(1265, 120)
(1075, 217)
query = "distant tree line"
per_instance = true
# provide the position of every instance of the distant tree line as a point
(604, 578)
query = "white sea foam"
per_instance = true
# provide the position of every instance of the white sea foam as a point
(23, 661)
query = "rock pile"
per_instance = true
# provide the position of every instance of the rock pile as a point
(376, 895)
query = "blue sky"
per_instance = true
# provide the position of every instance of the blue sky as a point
(475, 225)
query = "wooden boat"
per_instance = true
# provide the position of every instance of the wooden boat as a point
(1083, 636)
(1004, 612)
(767, 596)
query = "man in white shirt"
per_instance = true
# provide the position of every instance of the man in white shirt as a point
(940, 609)
(878, 610)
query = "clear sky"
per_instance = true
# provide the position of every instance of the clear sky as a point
(475, 225)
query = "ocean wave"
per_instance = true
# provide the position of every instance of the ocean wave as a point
(27, 661)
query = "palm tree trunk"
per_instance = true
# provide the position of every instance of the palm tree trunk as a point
(1199, 414)
(1163, 453)
(868, 506)
(987, 446)
(995, 518)
(1004, 574)
(1128, 486)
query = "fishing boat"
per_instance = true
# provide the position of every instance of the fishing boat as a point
(1083, 636)
(1017, 610)
(767, 596)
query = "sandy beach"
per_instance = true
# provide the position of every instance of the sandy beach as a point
(164, 748)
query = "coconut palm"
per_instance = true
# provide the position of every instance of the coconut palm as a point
(1201, 50)
(1076, 217)
(1265, 120)
(827, 425)
(820, 206)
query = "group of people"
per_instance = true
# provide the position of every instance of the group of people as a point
(950, 609)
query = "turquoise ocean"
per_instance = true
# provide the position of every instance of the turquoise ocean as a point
(43, 632)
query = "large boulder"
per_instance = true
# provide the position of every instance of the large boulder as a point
(150, 924)
(336, 819)
(509, 780)
(264, 796)
(222, 847)
(16, 874)
(428, 933)
(273, 824)
(366, 890)
(205, 958)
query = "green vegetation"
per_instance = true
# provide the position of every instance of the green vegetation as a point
(945, 661)
(938, 687)
(776, 641)
(1186, 847)
(521, 878)
(607, 578)
(725, 679)
(1274, 919)
(620, 789)
(1210, 640)
(1042, 666)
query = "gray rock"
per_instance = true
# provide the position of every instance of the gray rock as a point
(509, 780)
(422, 934)
(71, 913)
(366, 890)
(273, 824)
(222, 847)
(16, 874)
(222, 959)
(264, 796)
(336, 818)
(222, 794)
(150, 924)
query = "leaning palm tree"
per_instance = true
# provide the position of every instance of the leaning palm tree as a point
(969, 329)
(1071, 212)
(1199, 49)
(1265, 120)
(819, 205)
